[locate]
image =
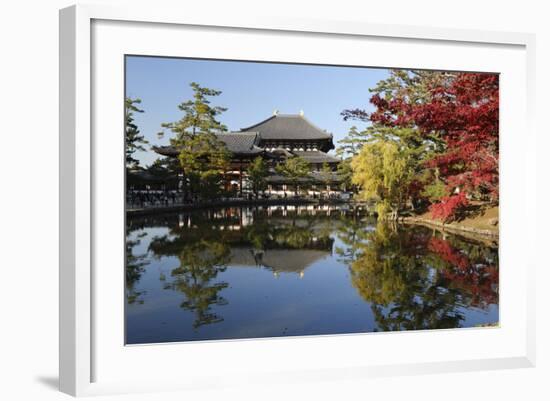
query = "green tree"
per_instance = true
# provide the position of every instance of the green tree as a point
(326, 175)
(390, 122)
(205, 159)
(294, 169)
(414, 85)
(194, 132)
(347, 149)
(383, 172)
(345, 174)
(198, 116)
(352, 143)
(257, 173)
(434, 188)
(134, 139)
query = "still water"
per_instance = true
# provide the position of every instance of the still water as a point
(288, 271)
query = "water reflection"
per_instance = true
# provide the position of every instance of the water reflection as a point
(392, 271)
(134, 268)
(256, 272)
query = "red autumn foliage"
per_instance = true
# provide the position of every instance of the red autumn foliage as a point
(464, 113)
(449, 206)
(473, 276)
(480, 284)
(448, 253)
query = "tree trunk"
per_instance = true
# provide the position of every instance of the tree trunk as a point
(184, 186)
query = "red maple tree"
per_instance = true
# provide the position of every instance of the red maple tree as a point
(464, 113)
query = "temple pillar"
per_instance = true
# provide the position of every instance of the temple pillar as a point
(241, 178)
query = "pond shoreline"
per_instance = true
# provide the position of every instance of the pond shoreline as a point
(230, 203)
(483, 221)
(453, 228)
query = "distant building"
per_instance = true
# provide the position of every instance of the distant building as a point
(275, 139)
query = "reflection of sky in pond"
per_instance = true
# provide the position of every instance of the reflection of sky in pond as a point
(244, 273)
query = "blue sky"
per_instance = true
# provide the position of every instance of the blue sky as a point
(250, 91)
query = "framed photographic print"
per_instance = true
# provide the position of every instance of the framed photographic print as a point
(284, 199)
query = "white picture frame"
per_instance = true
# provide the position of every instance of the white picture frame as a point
(83, 344)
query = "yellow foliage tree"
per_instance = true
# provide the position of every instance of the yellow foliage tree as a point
(383, 171)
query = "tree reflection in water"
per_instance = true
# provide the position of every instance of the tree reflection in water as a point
(202, 256)
(410, 277)
(200, 263)
(416, 279)
(134, 268)
(202, 242)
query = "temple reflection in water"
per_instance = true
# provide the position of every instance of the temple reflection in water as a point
(291, 240)
(299, 270)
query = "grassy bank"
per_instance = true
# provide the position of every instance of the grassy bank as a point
(481, 221)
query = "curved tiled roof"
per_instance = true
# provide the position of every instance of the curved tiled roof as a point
(240, 143)
(317, 176)
(166, 150)
(279, 260)
(316, 156)
(288, 126)
(313, 177)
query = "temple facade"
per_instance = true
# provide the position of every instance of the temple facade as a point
(275, 139)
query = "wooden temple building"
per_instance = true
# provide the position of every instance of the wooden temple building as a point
(275, 139)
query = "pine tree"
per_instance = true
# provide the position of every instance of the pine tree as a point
(326, 177)
(294, 169)
(257, 173)
(134, 139)
(198, 116)
(352, 143)
(203, 157)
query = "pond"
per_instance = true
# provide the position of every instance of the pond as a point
(299, 270)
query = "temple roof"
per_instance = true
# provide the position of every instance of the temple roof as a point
(283, 127)
(278, 260)
(313, 177)
(316, 156)
(166, 150)
(318, 176)
(288, 126)
(240, 143)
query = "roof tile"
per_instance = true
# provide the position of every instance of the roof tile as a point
(288, 126)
